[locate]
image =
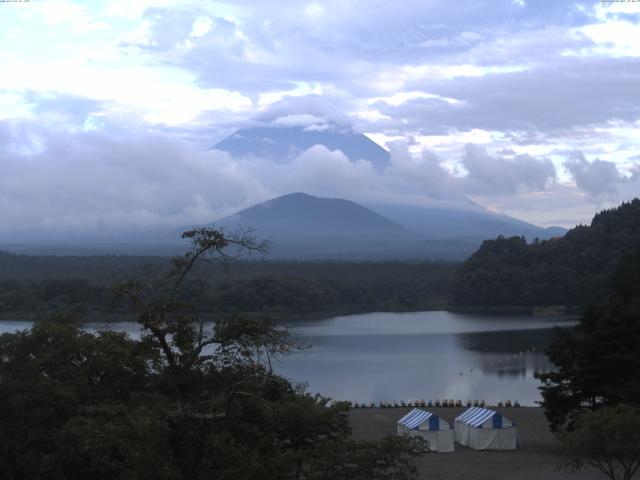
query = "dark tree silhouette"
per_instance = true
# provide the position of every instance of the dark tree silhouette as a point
(179, 404)
(598, 361)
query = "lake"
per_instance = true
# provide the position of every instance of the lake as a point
(424, 355)
(413, 356)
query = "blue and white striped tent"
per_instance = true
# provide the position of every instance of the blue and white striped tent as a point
(484, 429)
(437, 432)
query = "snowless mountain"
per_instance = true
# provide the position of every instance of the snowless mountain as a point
(458, 221)
(304, 226)
(302, 215)
(308, 227)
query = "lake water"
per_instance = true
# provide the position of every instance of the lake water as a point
(413, 356)
(424, 355)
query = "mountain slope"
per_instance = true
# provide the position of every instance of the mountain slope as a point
(302, 215)
(281, 143)
(304, 226)
(470, 221)
(571, 270)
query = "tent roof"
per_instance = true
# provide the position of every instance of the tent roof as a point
(475, 416)
(415, 418)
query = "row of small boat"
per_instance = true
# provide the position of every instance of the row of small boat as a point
(431, 403)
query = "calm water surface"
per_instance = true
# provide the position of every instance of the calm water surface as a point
(410, 356)
(424, 355)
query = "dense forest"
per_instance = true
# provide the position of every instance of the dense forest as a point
(31, 286)
(571, 270)
(505, 272)
(598, 360)
(183, 402)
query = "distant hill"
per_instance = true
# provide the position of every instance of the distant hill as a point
(304, 226)
(280, 143)
(571, 270)
(299, 214)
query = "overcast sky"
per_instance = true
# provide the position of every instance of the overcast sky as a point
(108, 109)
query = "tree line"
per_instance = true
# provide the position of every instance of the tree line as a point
(572, 270)
(180, 403)
(275, 288)
(592, 397)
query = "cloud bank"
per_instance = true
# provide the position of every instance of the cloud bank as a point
(63, 183)
(108, 109)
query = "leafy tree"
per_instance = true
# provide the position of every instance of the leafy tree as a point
(172, 323)
(608, 440)
(370, 460)
(51, 375)
(181, 403)
(598, 361)
(36, 286)
(571, 270)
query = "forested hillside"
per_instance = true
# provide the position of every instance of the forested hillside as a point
(570, 270)
(31, 286)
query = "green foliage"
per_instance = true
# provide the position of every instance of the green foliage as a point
(178, 404)
(48, 375)
(85, 285)
(608, 440)
(598, 361)
(572, 270)
(367, 460)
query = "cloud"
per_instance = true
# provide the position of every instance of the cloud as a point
(302, 112)
(88, 181)
(299, 120)
(506, 174)
(559, 205)
(85, 86)
(598, 177)
(60, 182)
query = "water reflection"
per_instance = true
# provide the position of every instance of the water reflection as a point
(423, 355)
(419, 355)
(511, 353)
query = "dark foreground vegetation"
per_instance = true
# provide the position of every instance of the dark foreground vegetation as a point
(33, 286)
(181, 403)
(572, 270)
(592, 399)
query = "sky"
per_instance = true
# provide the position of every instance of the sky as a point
(109, 109)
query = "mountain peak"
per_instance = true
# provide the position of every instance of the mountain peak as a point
(292, 197)
(288, 129)
(302, 215)
(283, 143)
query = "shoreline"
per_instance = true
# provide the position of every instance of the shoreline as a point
(537, 458)
(98, 316)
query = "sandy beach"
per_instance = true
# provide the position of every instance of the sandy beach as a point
(537, 459)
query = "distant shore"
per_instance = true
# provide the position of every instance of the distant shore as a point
(99, 316)
(540, 310)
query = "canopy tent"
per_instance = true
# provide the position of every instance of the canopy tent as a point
(484, 429)
(421, 423)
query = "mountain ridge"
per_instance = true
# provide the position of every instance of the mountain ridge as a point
(302, 225)
(570, 270)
